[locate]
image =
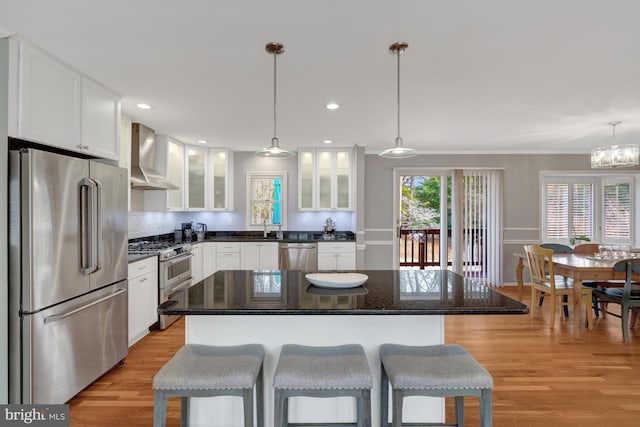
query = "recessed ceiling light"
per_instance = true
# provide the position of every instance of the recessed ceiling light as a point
(202, 141)
(143, 106)
(332, 106)
(328, 141)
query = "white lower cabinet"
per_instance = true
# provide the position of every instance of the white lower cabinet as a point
(336, 255)
(228, 256)
(143, 297)
(259, 256)
(197, 264)
(209, 258)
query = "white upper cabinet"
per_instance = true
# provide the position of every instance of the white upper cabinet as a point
(325, 179)
(201, 174)
(219, 182)
(48, 100)
(58, 106)
(100, 120)
(196, 178)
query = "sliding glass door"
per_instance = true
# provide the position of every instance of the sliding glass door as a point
(450, 219)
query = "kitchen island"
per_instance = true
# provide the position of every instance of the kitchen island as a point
(280, 307)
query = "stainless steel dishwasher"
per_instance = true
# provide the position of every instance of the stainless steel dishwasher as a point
(298, 256)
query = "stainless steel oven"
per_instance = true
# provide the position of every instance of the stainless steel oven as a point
(177, 293)
(175, 270)
(175, 279)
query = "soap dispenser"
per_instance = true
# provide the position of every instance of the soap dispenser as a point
(279, 234)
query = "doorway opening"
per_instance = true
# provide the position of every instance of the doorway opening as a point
(425, 221)
(449, 219)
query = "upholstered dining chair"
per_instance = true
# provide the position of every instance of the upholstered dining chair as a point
(627, 297)
(543, 279)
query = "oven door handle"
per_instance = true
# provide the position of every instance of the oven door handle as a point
(177, 259)
(179, 287)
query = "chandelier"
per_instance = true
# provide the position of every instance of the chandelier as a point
(615, 155)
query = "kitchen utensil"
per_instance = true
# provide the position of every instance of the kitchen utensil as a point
(187, 230)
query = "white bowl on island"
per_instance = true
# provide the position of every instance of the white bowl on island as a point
(337, 280)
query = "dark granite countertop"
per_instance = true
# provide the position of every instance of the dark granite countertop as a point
(289, 237)
(386, 292)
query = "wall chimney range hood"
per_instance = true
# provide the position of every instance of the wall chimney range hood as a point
(144, 176)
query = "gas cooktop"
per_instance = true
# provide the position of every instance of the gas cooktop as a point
(166, 249)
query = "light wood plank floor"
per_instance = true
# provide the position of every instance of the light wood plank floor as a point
(542, 377)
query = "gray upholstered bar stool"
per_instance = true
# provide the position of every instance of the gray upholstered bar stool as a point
(322, 372)
(437, 371)
(206, 371)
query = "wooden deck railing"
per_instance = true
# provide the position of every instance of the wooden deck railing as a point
(421, 248)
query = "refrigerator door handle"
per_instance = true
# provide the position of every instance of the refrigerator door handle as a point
(58, 317)
(85, 190)
(97, 196)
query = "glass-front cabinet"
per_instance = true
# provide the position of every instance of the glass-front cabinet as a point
(306, 176)
(175, 174)
(219, 189)
(201, 174)
(196, 177)
(325, 179)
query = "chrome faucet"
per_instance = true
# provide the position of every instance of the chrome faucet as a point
(264, 233)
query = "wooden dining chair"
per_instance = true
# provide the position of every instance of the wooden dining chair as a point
(557, 248)
(543, 279)
(586, 249)
(627, 297)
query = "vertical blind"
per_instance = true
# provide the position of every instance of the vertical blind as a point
(482, 225)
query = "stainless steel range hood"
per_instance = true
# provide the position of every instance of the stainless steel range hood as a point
(144, 176)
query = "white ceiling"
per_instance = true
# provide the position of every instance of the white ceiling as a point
(510, 76)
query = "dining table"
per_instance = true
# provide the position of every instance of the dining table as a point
(579, 268)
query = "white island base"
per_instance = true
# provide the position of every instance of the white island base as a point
(273, 331)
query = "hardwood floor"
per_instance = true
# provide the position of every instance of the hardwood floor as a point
(542, 377)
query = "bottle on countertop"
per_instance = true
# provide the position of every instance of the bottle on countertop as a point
(279, 234)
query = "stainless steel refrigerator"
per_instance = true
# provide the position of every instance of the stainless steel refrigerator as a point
(68, 271)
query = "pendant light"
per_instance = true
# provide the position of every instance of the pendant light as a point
(399, 151)
(615, 156)
(274, 150)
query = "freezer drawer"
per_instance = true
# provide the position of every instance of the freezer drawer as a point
(70, 345)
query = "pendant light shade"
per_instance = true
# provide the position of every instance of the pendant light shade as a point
(274, 150)
(398, 151)
(615, 156)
